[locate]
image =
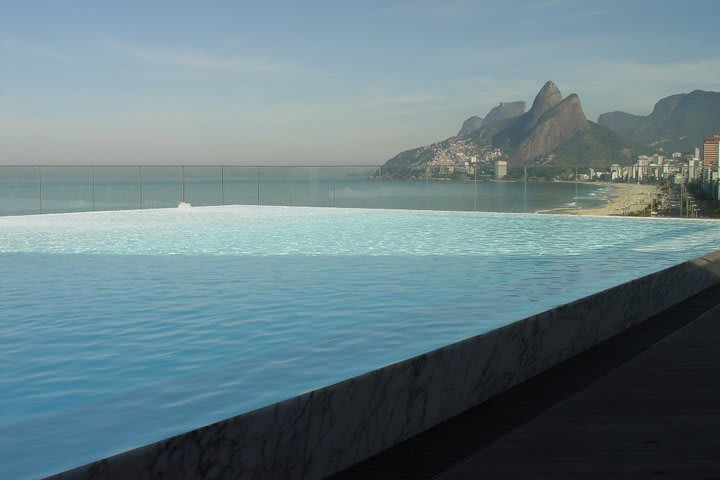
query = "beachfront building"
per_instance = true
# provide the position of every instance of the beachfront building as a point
(500, 169)
(711, 149)
(470, 167)
(655, 168)
(694, 168)
(642, 170)
(711, 166)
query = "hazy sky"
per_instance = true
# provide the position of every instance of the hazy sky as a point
(335, 82)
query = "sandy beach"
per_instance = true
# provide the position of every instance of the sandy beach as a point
(628, 198)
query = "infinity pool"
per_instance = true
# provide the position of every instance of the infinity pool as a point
(122, 328)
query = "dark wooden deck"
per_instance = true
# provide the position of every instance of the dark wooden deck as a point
(645, 404)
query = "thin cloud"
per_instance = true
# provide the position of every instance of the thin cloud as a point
(14, 47)
(552, 4)
(636, 86)
(427, 10)
(568, 6)
(203, 61)
(408, 99)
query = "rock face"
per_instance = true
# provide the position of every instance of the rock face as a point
(509, 133)
(677, 123)
(558, 124)
(470, 125)
(548, 96)
(550, 122)
(504, 111)
(620, 122)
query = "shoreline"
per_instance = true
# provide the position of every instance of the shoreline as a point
(626, 199)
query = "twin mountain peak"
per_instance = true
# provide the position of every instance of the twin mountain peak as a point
(556, 131)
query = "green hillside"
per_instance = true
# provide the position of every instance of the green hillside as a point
(678, 123)
(598, 146)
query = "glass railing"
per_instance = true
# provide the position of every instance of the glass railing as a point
(55, 189)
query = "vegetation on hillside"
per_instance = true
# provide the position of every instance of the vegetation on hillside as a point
(678, 123)
(598, 146)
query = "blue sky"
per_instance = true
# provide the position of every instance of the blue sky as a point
(332, 82)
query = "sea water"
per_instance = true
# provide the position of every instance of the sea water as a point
(27, 190)
(123, 328)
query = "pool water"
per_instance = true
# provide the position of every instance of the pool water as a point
(123, 328)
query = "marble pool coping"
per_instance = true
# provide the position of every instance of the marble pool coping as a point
(316, 434)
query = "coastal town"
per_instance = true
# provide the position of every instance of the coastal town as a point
(673, 151)
(676, 168)
(672, 185)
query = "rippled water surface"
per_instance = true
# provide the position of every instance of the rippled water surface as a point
(149, 323)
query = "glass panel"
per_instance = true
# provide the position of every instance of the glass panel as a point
(274, 185)
(506, 195)
(19, 190)
(117, 188)
(203, 185)
(240, 186)
(561, 189)
(356, 187)
(66, 189)
(436, 189)
(311, 186)
(161, 186)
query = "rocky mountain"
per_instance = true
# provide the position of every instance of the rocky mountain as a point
(504, 111)
(620, 122)
(678, 123)
(597, 145)
(550, 121)
(470, 125)
(554, 128)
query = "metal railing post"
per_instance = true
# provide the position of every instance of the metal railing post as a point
(476, 197)
(380, 189)
(93, 188)
(576, 181)
(182, 168)
(524, 188)
(40, 188)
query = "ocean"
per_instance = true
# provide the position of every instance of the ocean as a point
(51, 189)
